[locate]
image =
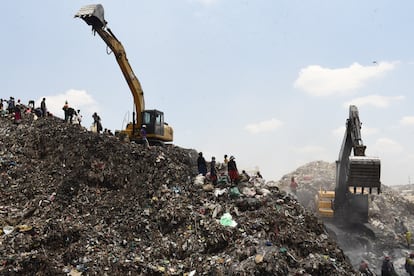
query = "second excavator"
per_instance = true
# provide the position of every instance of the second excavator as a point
(158, 131)
(357, 176)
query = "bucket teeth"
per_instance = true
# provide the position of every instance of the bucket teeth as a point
(93, 15)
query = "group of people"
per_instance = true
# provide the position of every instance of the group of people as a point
(230, 166)
(387, 267)
(16, 109)
(71, 115)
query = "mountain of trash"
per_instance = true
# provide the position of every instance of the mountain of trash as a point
(75, 202)
(391, 215)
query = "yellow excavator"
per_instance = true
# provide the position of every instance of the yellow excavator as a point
(357, 176)
(158, 131)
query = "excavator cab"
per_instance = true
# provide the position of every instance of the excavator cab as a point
(93, 15)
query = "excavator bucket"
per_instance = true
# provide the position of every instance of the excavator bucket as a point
(93, 15)
(364, 174)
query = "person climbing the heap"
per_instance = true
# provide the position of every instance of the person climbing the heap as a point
(387, 267)
(293, 185)
(71, 112)
(201, 164)
(232, 169)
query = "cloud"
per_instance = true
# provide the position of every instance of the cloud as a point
(78, 99)
(407, 121)
(265, 126)
(387, 145)
(374, 100)
(319, 81)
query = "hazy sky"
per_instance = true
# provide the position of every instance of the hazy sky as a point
(267, 81)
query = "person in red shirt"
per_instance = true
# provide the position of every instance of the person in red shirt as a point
(232, 169)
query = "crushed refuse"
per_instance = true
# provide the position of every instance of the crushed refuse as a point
(75, 202)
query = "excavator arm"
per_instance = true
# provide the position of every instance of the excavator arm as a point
(158, 132)
(120, 55)
(94, 15)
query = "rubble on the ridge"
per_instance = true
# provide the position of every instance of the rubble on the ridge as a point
(387, 212)
(75, 202)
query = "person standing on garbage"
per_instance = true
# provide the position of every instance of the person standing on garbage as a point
(201, 164)
(409, 264)
(226, 160)
(10, 105)
(387, 267)
(143, 134)
(408, 238)
(65, 110)
(232, 169)
(43, 107)
(293, 185)
(213, 171)
(97, 122)
(17, 115)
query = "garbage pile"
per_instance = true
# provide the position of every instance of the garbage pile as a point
(391, 215)
(80, 203)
